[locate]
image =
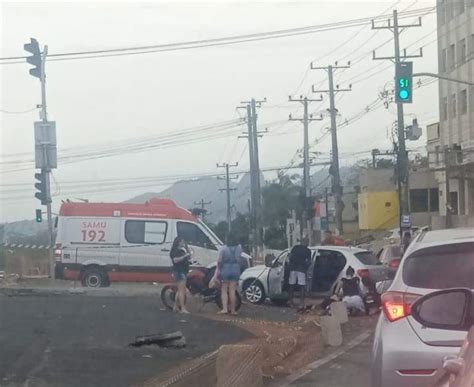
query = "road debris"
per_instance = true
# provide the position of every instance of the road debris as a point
(166, 340)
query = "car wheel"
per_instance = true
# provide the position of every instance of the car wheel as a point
(93, 278)
(254, 291)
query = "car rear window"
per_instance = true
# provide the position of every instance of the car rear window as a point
(441, 267)
(367, 258)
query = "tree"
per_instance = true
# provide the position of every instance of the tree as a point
(279, 199)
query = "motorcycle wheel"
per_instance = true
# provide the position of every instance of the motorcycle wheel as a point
(238, 299)
(168, 296)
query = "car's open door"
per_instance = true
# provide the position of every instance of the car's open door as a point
(276, 275)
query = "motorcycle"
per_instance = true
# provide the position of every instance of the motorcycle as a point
(197, 283)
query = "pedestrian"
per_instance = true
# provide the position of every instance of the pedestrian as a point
(332, 240)
(299, 262)
(406, 240)
(181, 258)
(228, 272)
(350, 287)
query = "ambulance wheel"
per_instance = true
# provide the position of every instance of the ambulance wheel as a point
(93, 277)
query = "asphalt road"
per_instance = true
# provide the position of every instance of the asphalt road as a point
(78, 340)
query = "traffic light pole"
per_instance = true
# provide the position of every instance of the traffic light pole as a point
(402, 156)
(47, 170)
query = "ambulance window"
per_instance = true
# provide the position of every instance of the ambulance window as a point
(140, 231)
(193, 235)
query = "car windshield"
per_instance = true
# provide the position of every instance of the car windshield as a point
(367, 258)
(441, 267)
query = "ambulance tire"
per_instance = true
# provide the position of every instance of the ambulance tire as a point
(94, 277)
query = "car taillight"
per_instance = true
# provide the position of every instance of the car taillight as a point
(363, 273)
(394, 264)
(397, 305)
(58, 252)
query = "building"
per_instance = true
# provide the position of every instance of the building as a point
(378, 198)
(451, 142)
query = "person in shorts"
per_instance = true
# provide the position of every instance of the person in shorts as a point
(181, 258)
(228, 272)
(299, 262)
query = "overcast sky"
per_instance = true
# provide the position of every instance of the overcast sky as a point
(102, 101)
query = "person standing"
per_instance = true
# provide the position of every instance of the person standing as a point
(299, 262)
(228, 272)
(181, 258)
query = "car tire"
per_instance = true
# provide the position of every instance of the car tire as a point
(253, 291)
(93, 277)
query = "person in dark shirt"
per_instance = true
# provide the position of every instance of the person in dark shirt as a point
(181, 258)
(350, 289)
(299, 262)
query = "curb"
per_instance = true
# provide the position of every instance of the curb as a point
(11, 292)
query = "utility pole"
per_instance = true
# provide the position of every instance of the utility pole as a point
(336, 178)
(447, 174)
(255, 187)
(227, 190)
(402, 157)
(203, 205)
(307, 118)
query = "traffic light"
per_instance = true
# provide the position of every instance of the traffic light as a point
(41, 195)
(404, 82)
(39, 216)
(35, 60)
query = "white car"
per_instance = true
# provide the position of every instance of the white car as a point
(406, 353)
(328, 265)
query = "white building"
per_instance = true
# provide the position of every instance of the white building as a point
(455, 131)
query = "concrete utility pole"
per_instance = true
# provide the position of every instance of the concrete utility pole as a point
(203, 205)
(307, 118)
(336, 178)
(227, 190)
(447, 174)
(255, 187)
(402, 158)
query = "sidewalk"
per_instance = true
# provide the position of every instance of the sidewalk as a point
(348, 365)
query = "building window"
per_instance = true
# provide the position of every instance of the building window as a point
(471, 47)
(462, 51)
(434, 199)
(453, 105)
(419, 200)
(461, 6)
(437, 150)
(463, 102)
(444, 109)
(145, 232)
(450, 9)
(444, 65)
(452, 56)
(471, 97)
(442, 12)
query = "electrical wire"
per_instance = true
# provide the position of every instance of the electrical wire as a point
(211, 42)
(18, 112)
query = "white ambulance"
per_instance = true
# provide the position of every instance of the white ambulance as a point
(98, 243)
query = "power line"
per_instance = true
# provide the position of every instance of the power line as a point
(18, 112)
(212, 42)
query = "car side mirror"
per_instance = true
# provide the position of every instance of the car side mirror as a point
(448, 309)
(269, 258)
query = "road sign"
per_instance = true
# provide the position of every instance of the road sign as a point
(45, 145)
(406, 221)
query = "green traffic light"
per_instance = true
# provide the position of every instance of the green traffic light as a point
(403, 94)
(39, 216)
